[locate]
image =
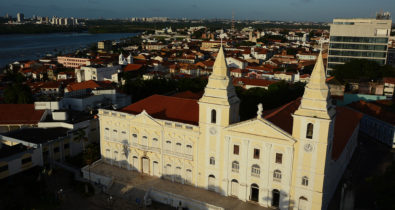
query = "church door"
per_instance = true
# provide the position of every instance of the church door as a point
(302, 203)
(135, 163)
(211, 183)
(254, 193)
(145, 168)
(155, 168)
(235, 188)
(275, 198)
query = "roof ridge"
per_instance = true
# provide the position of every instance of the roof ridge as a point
(280, 109)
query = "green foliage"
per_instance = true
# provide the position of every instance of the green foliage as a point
(270, 38)
(14, 77)
(276, 95)
(140, 89)
(292, 51)
(91, 153)
(244, 43)
(198, 34)
(362, 69)
(18, 93)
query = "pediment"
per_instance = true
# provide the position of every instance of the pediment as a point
(260, 127)
(145, 118)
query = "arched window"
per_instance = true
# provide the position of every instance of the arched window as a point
(309, 131)
(213, 116)
(212, 161)
(277, 175)
(255, 170)
(235, 166)
(305, 181)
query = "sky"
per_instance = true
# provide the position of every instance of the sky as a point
(285, 10)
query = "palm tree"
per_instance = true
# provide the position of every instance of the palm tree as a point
(80, 136)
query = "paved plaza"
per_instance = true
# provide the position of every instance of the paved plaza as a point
(132, 185)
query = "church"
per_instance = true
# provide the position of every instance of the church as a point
(292, 157)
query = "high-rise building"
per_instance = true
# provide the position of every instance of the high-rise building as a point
(20, 17)
(360, 38)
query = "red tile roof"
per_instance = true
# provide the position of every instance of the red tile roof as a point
(346, 122)
(19, 114)
(253, 82)
(189, 95)
(375, 109)
(132, 67)
(390, 80)
(90, 84)
(167, 108)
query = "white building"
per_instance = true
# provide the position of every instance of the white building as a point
(97, 73)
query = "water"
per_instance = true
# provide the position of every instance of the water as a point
(16, 47)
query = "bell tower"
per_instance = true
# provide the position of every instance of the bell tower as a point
(313, 126)
(218, 108)
(219, 105)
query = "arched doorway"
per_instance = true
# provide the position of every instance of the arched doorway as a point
(302, 203)
(234, 188)
(135, 163)
(211, 183)
(254, 193)
(145, 165)
(275, 198)
(155, 168)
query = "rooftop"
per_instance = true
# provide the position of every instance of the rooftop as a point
(171, 108)
(37, 135)
(346, 122)
(6, 151)
(19, 114)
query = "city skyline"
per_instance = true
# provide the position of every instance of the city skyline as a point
(284, 10)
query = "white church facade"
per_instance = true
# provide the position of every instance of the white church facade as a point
(290, 158)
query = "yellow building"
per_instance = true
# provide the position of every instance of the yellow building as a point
(291, 158)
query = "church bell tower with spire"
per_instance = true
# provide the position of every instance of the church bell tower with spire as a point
(313, 127)
(218, 108)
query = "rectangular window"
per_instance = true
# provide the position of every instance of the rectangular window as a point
(256, 153)
(26, 160)
(4, 168)
(56, 150)
(236, 149)
(279, 158)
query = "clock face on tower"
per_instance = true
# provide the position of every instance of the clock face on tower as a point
(213, 131)
(308, 147)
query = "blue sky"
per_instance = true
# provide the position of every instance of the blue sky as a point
(298, 10)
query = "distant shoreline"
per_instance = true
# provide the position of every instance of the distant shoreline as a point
(6, 29)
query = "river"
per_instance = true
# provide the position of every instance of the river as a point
(16, 47)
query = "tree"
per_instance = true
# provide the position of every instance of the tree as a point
(80, 136)
(90, 155)
(362, 69)
(18, 93)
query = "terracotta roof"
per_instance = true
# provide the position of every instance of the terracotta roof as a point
(390, 80)
(282, 116)
(189, 95)
(51, 84)
(254, 82)
(132, 67)
(346, 122)
(90, 84)
(19, 114)
(167, 108)
(375, 109)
